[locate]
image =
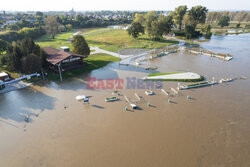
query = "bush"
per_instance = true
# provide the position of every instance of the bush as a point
(179, 33)
(247, 26)
(31, 32)
(10, 36)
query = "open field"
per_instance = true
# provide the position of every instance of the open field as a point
(115, 40)
(59, 40)
(87, 31)
(112, 40)
(94, 61)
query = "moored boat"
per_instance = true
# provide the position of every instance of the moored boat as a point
(109, 99)
(149, 92)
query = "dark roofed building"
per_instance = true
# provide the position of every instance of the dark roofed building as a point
(65, 60)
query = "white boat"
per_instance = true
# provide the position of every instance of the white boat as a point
(82, 97)
(149, 92)
(226, 80)
(133, 106)
(137, 63)
(109, 99)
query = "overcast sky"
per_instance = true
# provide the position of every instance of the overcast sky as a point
(80, 5)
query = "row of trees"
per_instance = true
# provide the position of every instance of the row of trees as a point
(154, 25)
(157, 25)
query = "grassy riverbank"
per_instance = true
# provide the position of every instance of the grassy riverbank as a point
(94, 61)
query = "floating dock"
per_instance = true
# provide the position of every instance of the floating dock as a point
(164, 92)
(225, 57)
(201, 84)
(174, 90)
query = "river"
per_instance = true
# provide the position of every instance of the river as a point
(210, 129)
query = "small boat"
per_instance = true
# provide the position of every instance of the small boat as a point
(133, 106)
(149, 92)
(109, 99)
(226, 80)
(82, 97)
(137, 63)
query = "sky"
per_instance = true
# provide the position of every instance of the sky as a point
(93, 5)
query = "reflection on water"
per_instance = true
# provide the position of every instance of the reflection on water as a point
(210, 129)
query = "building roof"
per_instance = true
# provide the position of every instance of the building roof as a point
(55, 56)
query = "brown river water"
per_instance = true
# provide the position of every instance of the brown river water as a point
(212, 129)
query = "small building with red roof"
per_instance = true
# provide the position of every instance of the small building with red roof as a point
(63, 60)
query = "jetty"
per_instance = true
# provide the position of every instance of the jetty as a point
(226, 57)
(162, 54)
(196, 85)
(165, 92)
(137, 96)
(176, 92)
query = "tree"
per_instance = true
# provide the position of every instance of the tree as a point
(238, 25)
(139, 18)
(14, 58)
(51, 26)
(80, 46)
(224, 21)
(196, 15)
(207, 31)
(179, 14)
(165, 24)
(3, 46)
(149, 18)
(31, 63)
(39, 14)
(25, 56)
(154, 31)
(135, 29)
(68, 27)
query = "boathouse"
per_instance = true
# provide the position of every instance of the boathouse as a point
(63, 60)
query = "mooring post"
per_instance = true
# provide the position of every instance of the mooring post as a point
(60, 72)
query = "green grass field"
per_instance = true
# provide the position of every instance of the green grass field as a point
(94, 61)
(112, 40)
(59, 40)
(115, 40)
